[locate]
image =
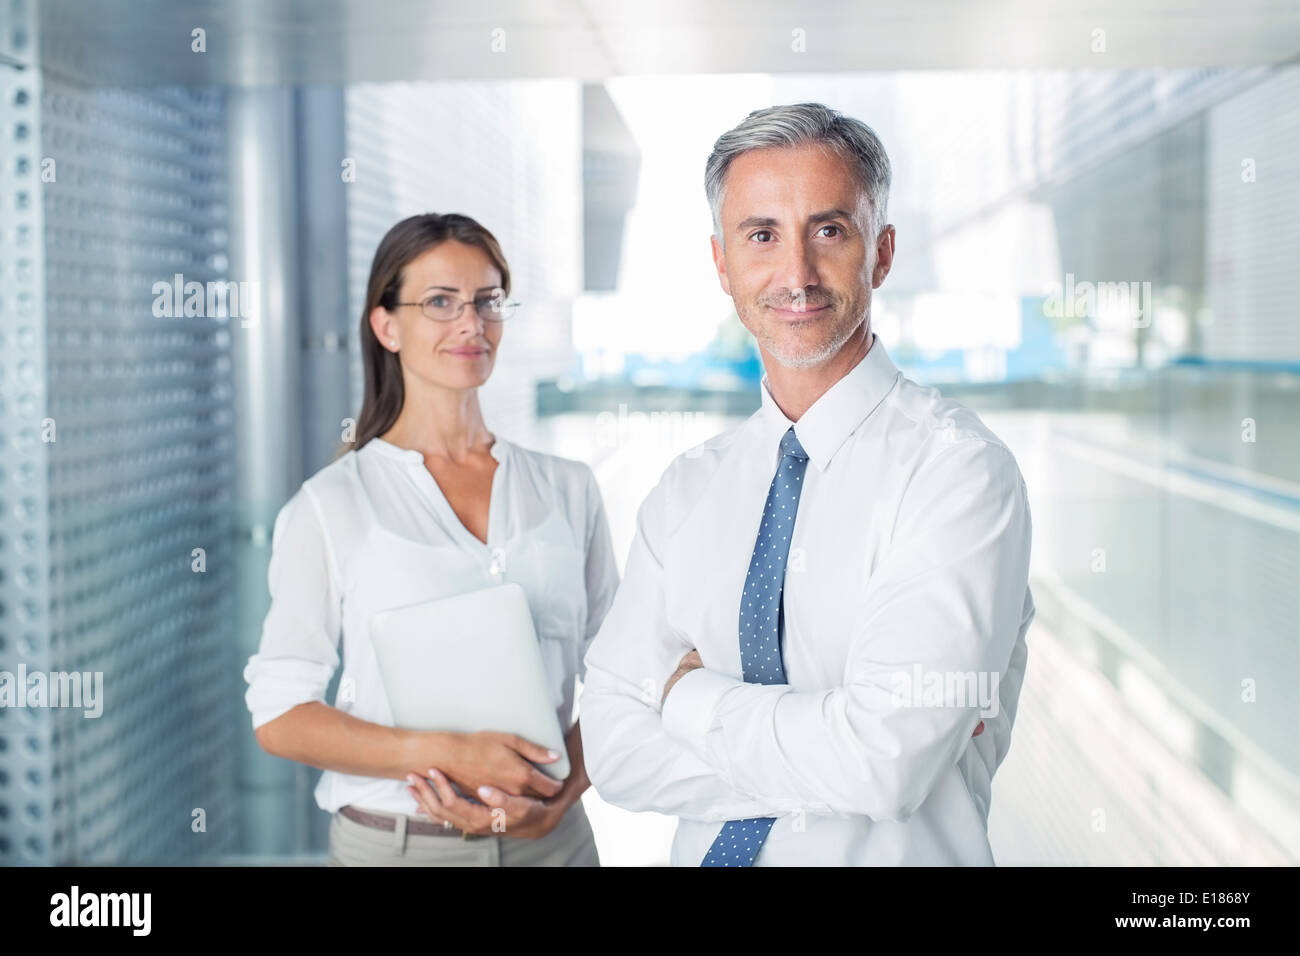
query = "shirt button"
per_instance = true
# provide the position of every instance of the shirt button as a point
(498, 565)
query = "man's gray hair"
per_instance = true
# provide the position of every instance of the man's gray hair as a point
(798, 125)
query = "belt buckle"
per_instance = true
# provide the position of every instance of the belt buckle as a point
(469, 836)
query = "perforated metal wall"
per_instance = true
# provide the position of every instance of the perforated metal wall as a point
(27, 736)
(132, 399)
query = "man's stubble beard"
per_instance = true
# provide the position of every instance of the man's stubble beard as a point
(775, 344)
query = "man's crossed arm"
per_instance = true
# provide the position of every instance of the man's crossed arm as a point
(949, 598)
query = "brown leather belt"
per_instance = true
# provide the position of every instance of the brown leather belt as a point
(383, 821)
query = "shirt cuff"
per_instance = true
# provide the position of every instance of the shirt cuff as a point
(688, 712)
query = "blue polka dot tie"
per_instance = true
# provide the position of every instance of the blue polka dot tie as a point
(761, 626)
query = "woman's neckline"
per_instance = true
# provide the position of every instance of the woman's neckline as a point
(497, 450)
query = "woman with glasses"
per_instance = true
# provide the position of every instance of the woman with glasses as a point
(429, 503)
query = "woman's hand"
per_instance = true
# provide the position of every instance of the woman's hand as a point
(518, 816)
(500, 813)
(500, 761)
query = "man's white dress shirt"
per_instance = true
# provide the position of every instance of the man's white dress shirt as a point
(372, 530)
(908, 571)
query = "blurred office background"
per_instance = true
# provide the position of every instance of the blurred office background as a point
(1098, 215)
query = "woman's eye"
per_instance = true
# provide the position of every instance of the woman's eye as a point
(437, 301)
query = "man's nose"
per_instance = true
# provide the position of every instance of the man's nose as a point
(798, 269)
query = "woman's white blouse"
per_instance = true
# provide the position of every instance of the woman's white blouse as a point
(372, 530)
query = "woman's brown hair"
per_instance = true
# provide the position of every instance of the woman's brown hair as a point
(405, 242)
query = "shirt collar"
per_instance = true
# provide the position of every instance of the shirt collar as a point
(823, 429)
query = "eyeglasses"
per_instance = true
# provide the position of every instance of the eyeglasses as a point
(443, 307)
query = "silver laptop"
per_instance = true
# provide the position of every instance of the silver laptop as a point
(469, 663)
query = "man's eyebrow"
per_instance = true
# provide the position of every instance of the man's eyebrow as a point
(830, 214)
(767, 222)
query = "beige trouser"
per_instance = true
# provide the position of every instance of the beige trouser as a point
(571, 843)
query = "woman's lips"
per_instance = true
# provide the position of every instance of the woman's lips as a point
(467, 352)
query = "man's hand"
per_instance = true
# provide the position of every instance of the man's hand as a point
(688, 664)
(692, 661)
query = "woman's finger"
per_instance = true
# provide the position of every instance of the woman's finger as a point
(499, 799)
(429, 803)
(460, 811)
(446, 809)
(542, 785)
(442, 813)
(421, 786)
(518, 810)
(422, 809)
(440, 784)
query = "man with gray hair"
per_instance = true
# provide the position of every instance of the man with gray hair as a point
(822, 603)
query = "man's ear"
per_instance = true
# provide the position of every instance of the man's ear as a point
(884, 257)
(720, 263)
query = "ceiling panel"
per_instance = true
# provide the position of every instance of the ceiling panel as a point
(261, 42)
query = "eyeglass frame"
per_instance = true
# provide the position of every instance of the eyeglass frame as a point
(498, 293)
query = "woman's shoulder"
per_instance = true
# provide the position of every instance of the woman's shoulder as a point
(566, 475)
(333, 496)
(570, 484)
(338, 478)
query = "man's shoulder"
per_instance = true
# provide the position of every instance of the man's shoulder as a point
(700, 461)
(938, 416)
(688, 477)
(946, 454)
(931, 423)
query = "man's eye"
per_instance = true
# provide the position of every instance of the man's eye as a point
(761, 232)
(837, 229)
